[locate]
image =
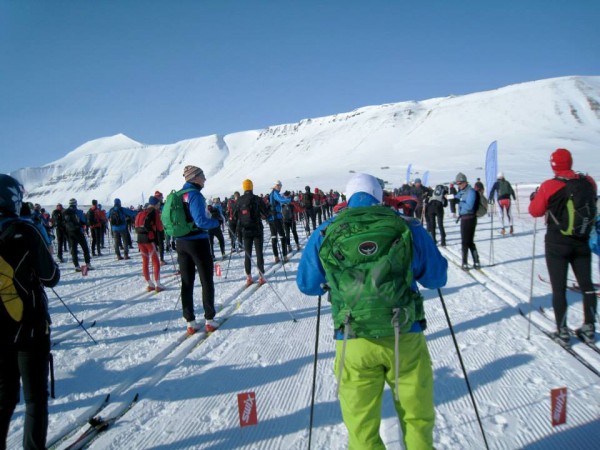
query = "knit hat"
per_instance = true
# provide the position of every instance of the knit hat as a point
(561, 159)
(500, 175)
(362, 182)
(72, 202)
(153, 200)
(417, 180)
(247, 185)
(158, 195)
(190, 172)
(277, 183)
(460, 177)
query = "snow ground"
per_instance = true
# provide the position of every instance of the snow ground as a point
(188, 387)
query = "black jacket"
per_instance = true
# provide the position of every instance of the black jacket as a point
(26, 266)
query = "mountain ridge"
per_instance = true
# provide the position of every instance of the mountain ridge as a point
(529, 120)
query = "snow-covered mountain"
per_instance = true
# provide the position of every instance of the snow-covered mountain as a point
(528, 120)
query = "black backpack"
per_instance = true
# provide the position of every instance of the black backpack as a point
(307, 200)
(247, 209)
(58, 218)
(71, 220)
(574, 212)
(116, 216)
(91, 217)
(287, 212)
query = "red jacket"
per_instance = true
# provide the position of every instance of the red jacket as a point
(543, 201)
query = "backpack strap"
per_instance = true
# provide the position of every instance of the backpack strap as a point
(7, 228)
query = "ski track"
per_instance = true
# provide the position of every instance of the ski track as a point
(188, 387)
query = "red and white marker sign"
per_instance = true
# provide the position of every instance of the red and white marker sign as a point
(247, 409)
(218, 269)
(559, 406)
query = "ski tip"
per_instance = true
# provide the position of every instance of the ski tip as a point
(136, 397)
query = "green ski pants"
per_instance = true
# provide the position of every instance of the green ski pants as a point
(368, 363)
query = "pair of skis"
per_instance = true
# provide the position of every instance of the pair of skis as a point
(98, 424)
(572, 332)
(565, 346)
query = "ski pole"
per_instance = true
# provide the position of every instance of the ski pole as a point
(175, 267)
(314, 381)
(282, 302)
(173, 312)
(462, 365)
(79, 322)
(276, 293)
(228, 263)
(282, 259)
(492, 239)
(531, 278)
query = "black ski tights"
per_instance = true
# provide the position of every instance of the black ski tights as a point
(32, 368)
(467, 235)
(192, 255)
(578, 256)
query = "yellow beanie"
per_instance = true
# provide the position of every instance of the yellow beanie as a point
(247, 185)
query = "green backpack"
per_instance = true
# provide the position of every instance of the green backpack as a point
(367, 255)
(175, 219)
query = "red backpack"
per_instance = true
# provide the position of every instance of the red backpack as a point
(145, 225)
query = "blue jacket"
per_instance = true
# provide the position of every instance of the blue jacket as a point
(429, 267)
(276, 200)
(467, 198)
(595, 237)
(198, 211)
(123, 213)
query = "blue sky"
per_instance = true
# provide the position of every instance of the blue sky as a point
(163, 71)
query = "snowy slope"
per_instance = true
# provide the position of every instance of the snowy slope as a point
(187, 387)
(528, 120)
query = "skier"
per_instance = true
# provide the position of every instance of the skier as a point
(435, 212)
(275, 221)
(193, 253)
(467, 207)
(61, 234)
(569, 202)
(234, 234)
(364, 363)
(94, 220)
(453, 201)
(27, 266)
(309, 211)
(147, 227)
(504, 191)
(216, 213)
(74, 224)
(160, 234)
(118, 216)
(249, 211)
(419, 192)
(289, 212)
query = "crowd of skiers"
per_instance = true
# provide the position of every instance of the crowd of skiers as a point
(328, 265)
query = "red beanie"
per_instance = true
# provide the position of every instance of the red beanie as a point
(561, 159)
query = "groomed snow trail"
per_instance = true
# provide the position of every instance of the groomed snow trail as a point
(188, 390)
